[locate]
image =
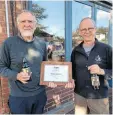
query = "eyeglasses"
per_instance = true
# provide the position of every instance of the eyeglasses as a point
(85, 30)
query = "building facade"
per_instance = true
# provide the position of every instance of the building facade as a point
(68, 15)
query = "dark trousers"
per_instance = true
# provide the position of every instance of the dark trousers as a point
(28, 105)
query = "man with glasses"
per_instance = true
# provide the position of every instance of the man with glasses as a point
(26, 95)
(92, 67)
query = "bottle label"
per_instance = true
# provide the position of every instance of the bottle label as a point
(95, 81)
(25, 70)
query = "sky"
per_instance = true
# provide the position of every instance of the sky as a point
(55, 22)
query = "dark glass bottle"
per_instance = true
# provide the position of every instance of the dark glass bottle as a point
(26, 67)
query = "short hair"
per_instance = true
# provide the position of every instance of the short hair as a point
(25, 11)
(87, 18)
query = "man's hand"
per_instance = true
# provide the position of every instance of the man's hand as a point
(95, 69)
(70, 84)
(52, 85)
(23, 77)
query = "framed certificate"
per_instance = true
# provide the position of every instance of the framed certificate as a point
(58, 72)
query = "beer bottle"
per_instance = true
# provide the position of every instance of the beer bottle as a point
(95, 81)
(26, 67)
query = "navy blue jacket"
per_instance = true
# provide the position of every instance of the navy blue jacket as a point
(100, 54)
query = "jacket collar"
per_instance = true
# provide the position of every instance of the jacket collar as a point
(80, 48)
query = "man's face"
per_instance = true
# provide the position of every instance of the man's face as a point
(87, 30)
(26, 24)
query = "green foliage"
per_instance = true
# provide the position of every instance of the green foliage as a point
(39, 12)
(102, 30)
(37, 32)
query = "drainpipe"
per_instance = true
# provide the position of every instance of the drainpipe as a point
(29, 5)
(68, 30)
(110, 30)
(7, 19)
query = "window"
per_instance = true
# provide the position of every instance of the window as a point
(102, 24)
(79, 11)
(51, 26)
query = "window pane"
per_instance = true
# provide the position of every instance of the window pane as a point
(102, 25)
(79, 11)
(51, 26)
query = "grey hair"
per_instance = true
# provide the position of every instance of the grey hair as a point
(87, 18)
(25, 11)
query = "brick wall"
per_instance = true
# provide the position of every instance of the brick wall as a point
(3, 35)
(110, 100)
(4, 90)
(2, 22)
(57, 97)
